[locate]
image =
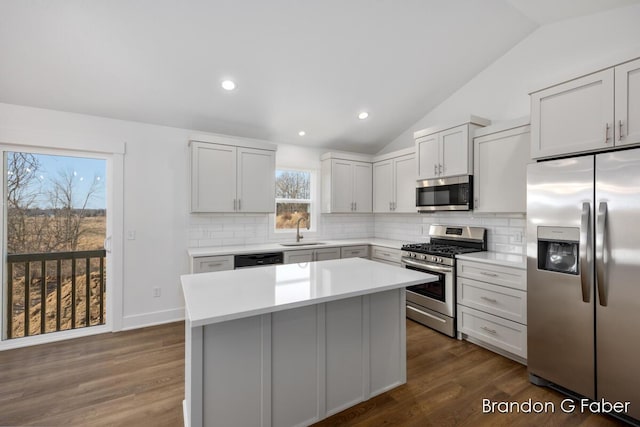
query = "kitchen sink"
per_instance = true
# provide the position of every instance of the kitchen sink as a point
(302, 244)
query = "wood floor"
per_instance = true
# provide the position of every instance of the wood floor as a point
(136, 378)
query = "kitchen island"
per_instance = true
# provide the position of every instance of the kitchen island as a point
(292, 344)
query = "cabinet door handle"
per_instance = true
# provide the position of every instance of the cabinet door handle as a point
(435, 169)
(475, 203)
(488, 299)
(484, 273)
(619, 130)
(606, 133)
(215, 264)
(440, 169)
(390, 206)
(239, 204)
(395, 205)
(235, 205)
(491, 331)
(355, 206)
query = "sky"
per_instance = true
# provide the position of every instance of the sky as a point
(85, 171)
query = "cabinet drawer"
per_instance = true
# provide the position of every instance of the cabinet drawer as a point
(496, 274)
(295, 257)
(385, 254)
(501, 301)
(504, 334)
(327, 253)
(355, 251)
(209, 264)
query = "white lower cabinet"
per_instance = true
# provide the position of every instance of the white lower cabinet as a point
(208, 264)
(361, 251)
(386, 255)
(496, 331)
(492, 307)
(309, 255)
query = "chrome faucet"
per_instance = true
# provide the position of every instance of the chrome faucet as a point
(298, 235)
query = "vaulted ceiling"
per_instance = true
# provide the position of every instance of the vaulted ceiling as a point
(298, 64)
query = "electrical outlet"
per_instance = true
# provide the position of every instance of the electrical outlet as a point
(156, 292)
(517, 237)
(131, 235)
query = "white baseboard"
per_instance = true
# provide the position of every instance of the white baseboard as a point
(151, 319)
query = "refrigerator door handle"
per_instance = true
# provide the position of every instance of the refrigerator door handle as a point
(584, 244)
(600, 243)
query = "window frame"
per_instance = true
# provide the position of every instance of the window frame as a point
(312, 201)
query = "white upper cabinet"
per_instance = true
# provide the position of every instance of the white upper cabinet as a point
(362, 187)
(212, 165)
(591, 113)
(346, 184)
(500, 158)
(231, 178)
(446, 151)
(454, 151)
(256, 183)
(573, 117)
(394, 182)
(429, 162)
(383, 186)
(627, 126)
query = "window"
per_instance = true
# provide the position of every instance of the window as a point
(293, 199)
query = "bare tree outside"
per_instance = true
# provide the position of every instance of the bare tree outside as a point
(56, 225)
(22, 194)
(70, 208)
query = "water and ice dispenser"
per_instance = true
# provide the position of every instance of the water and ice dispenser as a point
(558, 249)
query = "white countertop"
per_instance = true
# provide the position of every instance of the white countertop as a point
(277, 247)
(235, 294)
(497, 258)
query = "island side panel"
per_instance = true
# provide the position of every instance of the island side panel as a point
(387, 340)
(233, 374)
(192, 407)
(344, 354)
(297, 357)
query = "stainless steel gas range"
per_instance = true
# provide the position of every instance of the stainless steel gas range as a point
(434, 304)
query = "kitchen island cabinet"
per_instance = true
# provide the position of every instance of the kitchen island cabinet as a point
(292, 344)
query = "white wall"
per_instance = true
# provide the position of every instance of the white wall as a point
(551, 54)
(156, 188)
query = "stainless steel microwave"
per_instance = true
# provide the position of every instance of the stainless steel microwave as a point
(445, 194)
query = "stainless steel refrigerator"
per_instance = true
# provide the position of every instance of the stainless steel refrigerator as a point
(583, 271)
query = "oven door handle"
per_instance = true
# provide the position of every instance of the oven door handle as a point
(424, 266)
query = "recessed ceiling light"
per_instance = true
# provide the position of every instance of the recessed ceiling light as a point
(228, 85)
(302, 133)
(363, 115)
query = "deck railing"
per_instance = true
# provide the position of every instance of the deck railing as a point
(76, 278)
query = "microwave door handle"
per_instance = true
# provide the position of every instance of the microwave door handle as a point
(601, 224)
(584, 244)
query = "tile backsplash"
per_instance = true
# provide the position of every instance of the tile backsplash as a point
(505, 233)
(245, 229)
